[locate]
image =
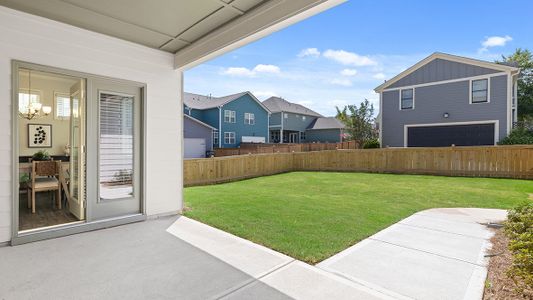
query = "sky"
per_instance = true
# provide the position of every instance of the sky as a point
(339, 56)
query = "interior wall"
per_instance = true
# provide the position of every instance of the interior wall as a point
(38, 40)
(46, 86)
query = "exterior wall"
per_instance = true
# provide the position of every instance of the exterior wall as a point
(210, 116)
(439, 70)
(275, 119)
(431, 102)
(195, 113)
(192, 129)
(245, 104)
(323, 135)
(295, 122)
(33, 39)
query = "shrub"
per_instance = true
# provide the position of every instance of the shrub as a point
(519, 228)
(519, 136)
(373, 143)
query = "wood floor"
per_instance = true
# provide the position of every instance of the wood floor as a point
(46, 212)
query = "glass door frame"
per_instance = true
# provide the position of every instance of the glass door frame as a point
(91, 130)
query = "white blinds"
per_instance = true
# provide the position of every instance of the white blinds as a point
(116, 146)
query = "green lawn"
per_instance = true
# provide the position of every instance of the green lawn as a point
(311, 215)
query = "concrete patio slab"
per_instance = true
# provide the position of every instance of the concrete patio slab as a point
(135, 261)
(433, 254)
(272, 270)
(449, 245)
(248, 257)
(470, 229)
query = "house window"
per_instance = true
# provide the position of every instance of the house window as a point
(286, 116)
(302, 136)
(215, 137)
(26, 98)
(480, 91)
(407, 99)
(229, 116)
(229, 137)
(62, 106)
(249, 118)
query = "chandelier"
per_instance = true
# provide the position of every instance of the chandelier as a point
(34, 110)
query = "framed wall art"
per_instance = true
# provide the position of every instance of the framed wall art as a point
(39, 136)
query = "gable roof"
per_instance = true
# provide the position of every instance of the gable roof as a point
(197, 101)
(326, 123)
(277, 104)
(199, 122)
(449, 57)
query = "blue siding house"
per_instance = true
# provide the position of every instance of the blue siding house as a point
(236, 118)
(448, 100)
(295, 123)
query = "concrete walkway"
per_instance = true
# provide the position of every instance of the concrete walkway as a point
(433, 254)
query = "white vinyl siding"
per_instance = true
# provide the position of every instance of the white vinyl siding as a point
(249, 118)
(230, 116)
(229, 137)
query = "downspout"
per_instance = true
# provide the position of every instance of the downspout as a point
(220, 127)
(281, 130)
(268, 129)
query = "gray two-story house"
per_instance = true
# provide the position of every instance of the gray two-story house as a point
(448, 100)
(295, 123)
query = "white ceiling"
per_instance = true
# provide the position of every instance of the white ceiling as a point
(191, 29)
(169, 25)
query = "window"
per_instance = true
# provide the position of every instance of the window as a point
(480, 91)
(286, 116)
(215, 137)
(407, 99)
(302, 136)
(25, 98)
(229, 137)
(303, 118)
(116, 143)
(229, 116)
(249, 118)
(62, 106)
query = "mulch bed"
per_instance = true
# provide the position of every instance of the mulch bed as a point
(498, 285)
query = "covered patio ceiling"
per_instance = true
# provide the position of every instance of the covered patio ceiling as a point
(190, 29)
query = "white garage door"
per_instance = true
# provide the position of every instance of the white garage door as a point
(194, 148)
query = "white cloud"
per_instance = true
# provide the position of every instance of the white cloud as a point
(380, 76)
(306, 103)
(341, 81)
(245, 72)
(265, 94)
(266, 69)
(349, 58)
(349, 72)
(494, 41)
(238, 71)
(312, 52)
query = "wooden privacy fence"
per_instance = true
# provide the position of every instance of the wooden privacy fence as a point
(246, 149)
(490, 161)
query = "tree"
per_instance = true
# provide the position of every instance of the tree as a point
(358, 121)
(524, 60)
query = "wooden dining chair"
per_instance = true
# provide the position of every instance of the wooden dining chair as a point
(45, 176)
